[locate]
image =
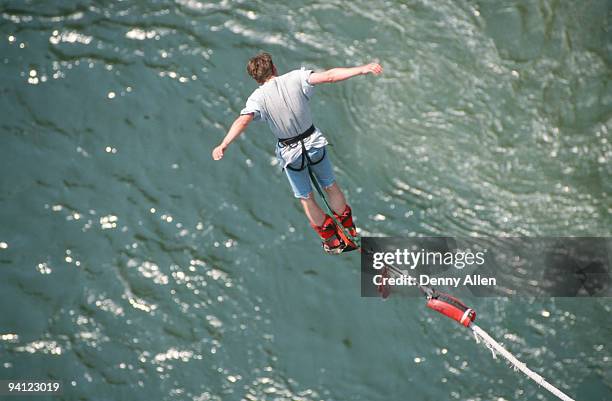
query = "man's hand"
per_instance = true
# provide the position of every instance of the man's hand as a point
(237, 128)
(217, 153)
(372, 68)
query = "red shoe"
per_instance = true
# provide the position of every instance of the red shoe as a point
(346, 219)
(331, 242)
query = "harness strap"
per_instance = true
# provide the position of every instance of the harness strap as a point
(298, 138)
(293, 141)
(306, 160)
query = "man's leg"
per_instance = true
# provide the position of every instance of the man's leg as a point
(320, 222)
(342, 210)
(325, 175)
(315, 215)
(336, 198)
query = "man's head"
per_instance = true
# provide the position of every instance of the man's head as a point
(261, 68)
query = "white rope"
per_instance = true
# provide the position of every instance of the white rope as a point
(496, 347)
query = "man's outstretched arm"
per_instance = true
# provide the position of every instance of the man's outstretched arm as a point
(237, 128)
(340, 74)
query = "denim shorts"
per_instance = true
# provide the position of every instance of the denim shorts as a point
(323, 170)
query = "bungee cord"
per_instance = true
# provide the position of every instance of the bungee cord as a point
(497, 348)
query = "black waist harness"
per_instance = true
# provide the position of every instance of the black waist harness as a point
(293, 141)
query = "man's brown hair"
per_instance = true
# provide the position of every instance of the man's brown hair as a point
(261, 67)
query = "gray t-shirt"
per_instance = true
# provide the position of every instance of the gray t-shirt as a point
(283, 102)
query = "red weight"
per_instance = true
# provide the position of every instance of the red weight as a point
(453, 308)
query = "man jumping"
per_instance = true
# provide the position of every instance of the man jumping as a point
(283, 101)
